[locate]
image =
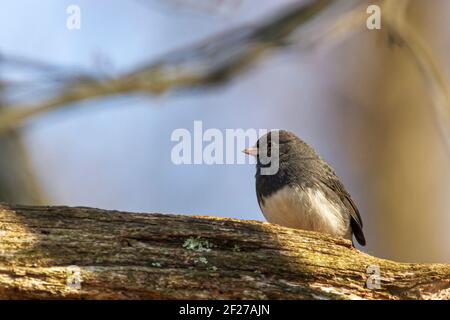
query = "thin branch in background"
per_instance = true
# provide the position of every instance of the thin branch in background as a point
(216, 61)
(408, 38)
(36, 78)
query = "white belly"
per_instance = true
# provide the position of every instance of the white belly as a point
(306, 209)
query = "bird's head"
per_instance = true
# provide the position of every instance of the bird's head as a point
(281, 141)
(276, 147)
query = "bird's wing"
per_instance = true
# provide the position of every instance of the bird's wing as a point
(332, 182)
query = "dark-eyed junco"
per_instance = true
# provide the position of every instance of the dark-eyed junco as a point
(304, 192)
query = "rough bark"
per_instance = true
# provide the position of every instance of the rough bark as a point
(86, 253)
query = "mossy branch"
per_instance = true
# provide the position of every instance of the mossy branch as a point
(86, 253)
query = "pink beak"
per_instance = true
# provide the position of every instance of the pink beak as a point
(251, 151)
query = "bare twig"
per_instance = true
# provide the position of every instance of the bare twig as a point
(215, 61)
(18, 183)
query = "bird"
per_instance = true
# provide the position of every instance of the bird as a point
(305, 192)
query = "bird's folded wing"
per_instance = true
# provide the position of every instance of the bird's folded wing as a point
(335, 186)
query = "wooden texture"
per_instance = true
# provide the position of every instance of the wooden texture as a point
(86, 253)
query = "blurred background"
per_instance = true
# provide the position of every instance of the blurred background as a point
(361, 101)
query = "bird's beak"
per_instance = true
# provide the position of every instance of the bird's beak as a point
(251, 151)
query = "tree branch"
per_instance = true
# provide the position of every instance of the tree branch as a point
(214, 61)
(66, 253)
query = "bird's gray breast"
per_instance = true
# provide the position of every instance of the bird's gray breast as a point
(306, 208)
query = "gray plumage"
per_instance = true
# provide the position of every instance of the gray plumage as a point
(305, 193)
